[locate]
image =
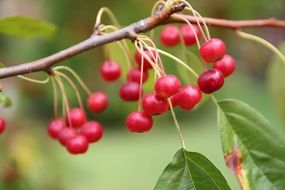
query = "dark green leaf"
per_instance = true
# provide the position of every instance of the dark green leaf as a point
(5, 101)
(275, 77)
(253, 149)
(191, 171)
(25, 27)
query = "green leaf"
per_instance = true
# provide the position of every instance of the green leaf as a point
(26, 27)
(191, 171)
(5, 101)
(275, 78)
(1, 65)
(253, 149)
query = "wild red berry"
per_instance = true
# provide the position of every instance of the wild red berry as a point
(169, 36)
(175, 99)
(167, 86)
(110, 70)
(130, 91)
(55, 126)
(65, 134)
(76, 116)
(188, 34)
(77, 144)
(139, 122)
(153, 104)
(2, 125)
(226, 65)
(213, 50)
(134, 75)
(97, 102)
(211, 81)
(189, 97)
(146, 63)
(92, 130)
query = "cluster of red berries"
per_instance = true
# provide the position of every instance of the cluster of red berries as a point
(75, 132)
(2, 125)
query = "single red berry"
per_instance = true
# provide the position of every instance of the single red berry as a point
(211, 81)
(146, 63)
(139, 122)
(226, 65)
(55, 126)
(97, 102)
(77, 144)
(175, 99)
(65, 134)
(153, 104)
(110, 70)
(188, 34)
(169, 36)
(130, 91)
(167, 86)
(92, 130)
(2, 125)
(134, 75)
(213, 50)
(76, 116)
(189, 97)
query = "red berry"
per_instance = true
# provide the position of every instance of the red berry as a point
(167, 86)
(2, 125)
(110, 70)
(213, 50)
(77, 144)
(175, 99)
(134, 75)
(189, 35)
(211, 81)
(130, 91)
(169, 36)
(97, 102)
(55, 126)
(146, 63)
(92, 130)
(66, 134)
(76, 116)
(139, 122)
(154, 105)
(226, 65)
(189, 97)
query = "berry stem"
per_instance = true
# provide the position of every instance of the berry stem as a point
(262, 42)
(71, 83)
(177, 125)
(76, 76)
(55, 98)
(34, 80)
(154, 8)
(109, 13)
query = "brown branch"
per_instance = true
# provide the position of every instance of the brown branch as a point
(141, 26)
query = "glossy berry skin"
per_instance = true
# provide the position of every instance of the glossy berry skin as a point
(226, 65)
(55, 126)
(211, 81)
(77, 117)
(92, 130)
(134, 75)
(153, 104)
(139, 122)
(146, 64)
(189, 35)
(97, 102)
(169, 36)
(66, 134)
(189, 97)
(110, 70)
(213, 50)
(167, 86)
(2, 125)
(130, 91)
(77, 144)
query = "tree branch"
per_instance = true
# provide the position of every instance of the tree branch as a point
(163, 17)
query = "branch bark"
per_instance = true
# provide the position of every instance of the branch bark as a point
(147, 24)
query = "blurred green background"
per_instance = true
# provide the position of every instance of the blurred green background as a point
(31, 160)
